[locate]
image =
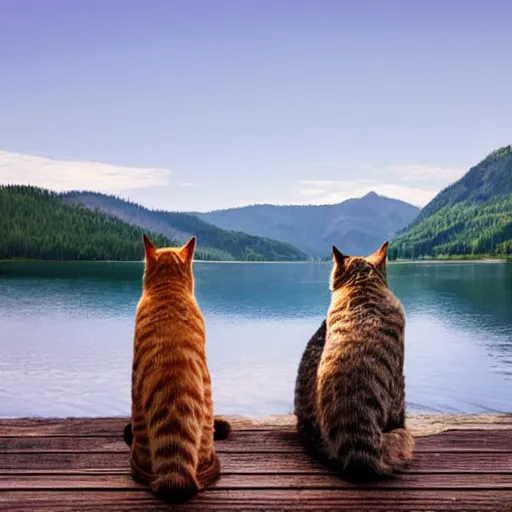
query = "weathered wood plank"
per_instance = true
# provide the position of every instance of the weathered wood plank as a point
(422, 424)
(261, 500)
(437, 462)
(261, 441)
(124, 482)
(82, 464)
(19, 427)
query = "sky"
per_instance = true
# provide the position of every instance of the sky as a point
(205, 104)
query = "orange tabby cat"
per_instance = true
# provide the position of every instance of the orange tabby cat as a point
(172, 410)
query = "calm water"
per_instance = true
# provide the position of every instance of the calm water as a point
(66, 334)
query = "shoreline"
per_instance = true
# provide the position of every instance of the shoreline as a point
(474, 260)
(239, 262)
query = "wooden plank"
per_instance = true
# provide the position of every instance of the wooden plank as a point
(261, 500)
(18, 427)
(68, 443)
(105, 426)
(262, 481)
(437, 462)
(261, 441)
(82, 464)
(422, 424)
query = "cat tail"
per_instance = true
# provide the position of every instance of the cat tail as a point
(366, 453)
(221, 428)
(127, 434)
(174, 471)
(396, 449)
(174, 445)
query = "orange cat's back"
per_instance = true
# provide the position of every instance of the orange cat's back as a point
(172, 412)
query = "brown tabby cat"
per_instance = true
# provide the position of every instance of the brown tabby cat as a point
(350, 390)
(172, 412)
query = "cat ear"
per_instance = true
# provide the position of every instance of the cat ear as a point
(149, 248)
(338, 257)
(378, 258)
(187, 251)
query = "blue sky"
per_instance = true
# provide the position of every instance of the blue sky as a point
(196, 105)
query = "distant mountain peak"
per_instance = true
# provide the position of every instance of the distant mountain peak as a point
(370, 195)
(359, 225)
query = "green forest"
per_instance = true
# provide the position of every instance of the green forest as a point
(463, 229)
(37, 224)
(471, 218)
(238, 245)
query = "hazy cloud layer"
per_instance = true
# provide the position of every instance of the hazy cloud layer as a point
(414, 183)
(62, 175)
(329, 191)
(418, 172)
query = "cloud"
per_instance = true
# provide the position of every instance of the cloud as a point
(330, 191)
(407, 182)
(419, 172)
(63, 175)
(312, 192)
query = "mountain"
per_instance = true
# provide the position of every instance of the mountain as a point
(356, 226)
(181, 226)
(471, 217)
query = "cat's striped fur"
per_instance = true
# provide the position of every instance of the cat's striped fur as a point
(350, 390)
(172, 412)
(221, 430)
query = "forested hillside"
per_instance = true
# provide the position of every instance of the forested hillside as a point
(180, 226)
(36, 223)
(472, 217)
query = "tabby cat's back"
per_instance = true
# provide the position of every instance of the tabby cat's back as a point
(172, 424)
(357, 392)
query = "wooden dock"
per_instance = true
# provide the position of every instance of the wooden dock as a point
(461, 463)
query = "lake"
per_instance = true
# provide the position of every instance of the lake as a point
(66, 334)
